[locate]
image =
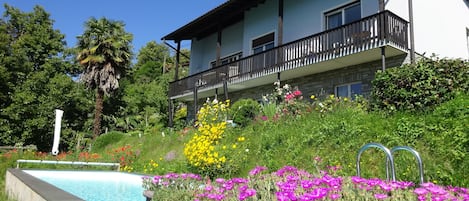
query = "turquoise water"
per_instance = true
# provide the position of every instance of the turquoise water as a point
(94, 185)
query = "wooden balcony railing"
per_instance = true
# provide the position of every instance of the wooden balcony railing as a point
(381, 29)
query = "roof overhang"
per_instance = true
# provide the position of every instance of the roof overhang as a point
(222, 16)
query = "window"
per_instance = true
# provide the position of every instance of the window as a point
(228, 59)
(349, 90)
(263, 43)
(259, 45)
(343, 15)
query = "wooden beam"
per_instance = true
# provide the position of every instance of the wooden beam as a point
(280, 23)
(381, 5)
(178, 52)
(218, 46)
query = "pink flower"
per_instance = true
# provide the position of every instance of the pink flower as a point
(380, 196)
(297, 93)
(257, 170)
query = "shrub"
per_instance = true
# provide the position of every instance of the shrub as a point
(420, 86)
(244, 111)
(107, 139)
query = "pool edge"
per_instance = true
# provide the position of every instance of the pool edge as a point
(24, 187)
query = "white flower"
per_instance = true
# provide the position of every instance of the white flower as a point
(286, 86)
(215, 101)
(247, 150)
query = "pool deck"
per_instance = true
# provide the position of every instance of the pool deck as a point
(24, 187)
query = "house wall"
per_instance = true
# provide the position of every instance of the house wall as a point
(301, 18)
(306, 17)
(202, 52)
(440, 26)
(231, 40)
(260, 21)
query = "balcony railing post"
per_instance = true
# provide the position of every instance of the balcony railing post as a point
(195, 102)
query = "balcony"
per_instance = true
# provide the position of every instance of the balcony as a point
(353, 43)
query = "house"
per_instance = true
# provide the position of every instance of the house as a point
(240, 48)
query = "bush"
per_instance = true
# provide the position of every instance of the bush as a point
(107, 139)
(420, 86)
(244, 111)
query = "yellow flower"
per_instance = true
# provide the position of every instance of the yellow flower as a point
(234, 146)
(313, 97)
(241, 139)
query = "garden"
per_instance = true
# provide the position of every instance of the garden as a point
(296, 146)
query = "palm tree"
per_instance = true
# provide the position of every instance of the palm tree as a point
(104, 50)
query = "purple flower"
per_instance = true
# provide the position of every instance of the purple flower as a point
(318, 193)
(357, 180)
(257, 170)
(306, 184)
(380, 196)
(420, 191)
(334, 196)
(220, 180)
(243, 194)
(385, 187)
(216, 196)
(286, 169)
(285, 196)
(286, 186)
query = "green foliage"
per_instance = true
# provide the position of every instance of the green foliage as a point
(34, 69)
(107, 139)
(420, 86)
(244, 111)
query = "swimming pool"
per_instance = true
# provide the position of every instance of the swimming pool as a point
(94, 185)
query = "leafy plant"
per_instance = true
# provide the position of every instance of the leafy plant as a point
(420, 86)
(244, 111)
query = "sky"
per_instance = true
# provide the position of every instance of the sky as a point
(147, 20)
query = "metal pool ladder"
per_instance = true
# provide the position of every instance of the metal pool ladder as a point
(390, 159)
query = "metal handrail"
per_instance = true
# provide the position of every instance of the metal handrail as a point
(417, 156)
(386, 151)
(67, 163)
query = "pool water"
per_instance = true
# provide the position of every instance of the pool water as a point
(94, 185)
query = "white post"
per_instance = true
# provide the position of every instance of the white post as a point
(58, 120)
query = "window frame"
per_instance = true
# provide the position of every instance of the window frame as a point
(341, 10)
(262, 42)
(349, 89)
(227, 59)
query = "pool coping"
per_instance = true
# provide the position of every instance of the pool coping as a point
(22, 186)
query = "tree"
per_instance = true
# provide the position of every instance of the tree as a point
(34, 80)
(105, 54)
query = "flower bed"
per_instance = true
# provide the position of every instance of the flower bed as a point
(290, 183)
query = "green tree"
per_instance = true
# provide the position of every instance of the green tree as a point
(105, 54)
(34, 80)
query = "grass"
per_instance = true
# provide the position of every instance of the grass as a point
(440, 136)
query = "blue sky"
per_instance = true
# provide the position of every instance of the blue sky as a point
(147, 20)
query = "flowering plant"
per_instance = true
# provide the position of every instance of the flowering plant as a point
(211, 124)
(284, 99)
(291, 183)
